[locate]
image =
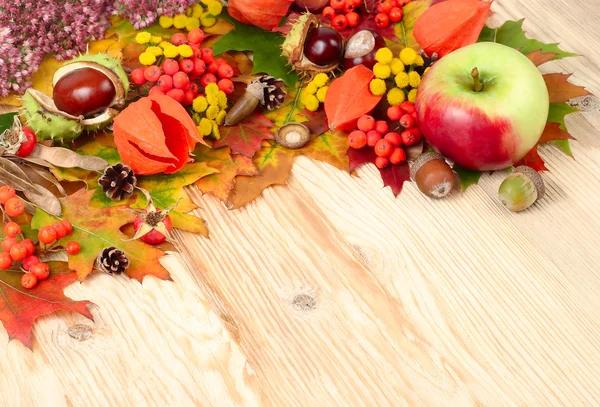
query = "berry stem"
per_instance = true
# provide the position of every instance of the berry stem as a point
(477, 84)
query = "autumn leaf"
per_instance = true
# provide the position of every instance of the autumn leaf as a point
(560, 89)
(540, 58)
(246, 138)
(229, 166)
(328, 147)
(466, 177)
(393, 176)
(98, 228)
(404, 30)
(532, 159)
(553, 132)
(356, 158)
(316, 121)
(20, 307)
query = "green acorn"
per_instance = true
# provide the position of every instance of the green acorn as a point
(521, 189)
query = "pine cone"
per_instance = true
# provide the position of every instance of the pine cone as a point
(270, 91)
(118, 182)
(112, 260)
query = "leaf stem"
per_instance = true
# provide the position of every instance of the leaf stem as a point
(289, 115)
(404, 37)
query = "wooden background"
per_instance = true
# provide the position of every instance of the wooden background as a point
(330, 292)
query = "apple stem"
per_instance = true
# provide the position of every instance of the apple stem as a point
(477, 85)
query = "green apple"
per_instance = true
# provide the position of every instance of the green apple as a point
(483, 106)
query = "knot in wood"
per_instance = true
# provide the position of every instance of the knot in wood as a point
(80, 332)
(304, 302)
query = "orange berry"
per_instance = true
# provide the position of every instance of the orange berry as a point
(14, 207)
(29, 261)
(41, 271)
(47, 235)
(8, 243)
(382, 162)
(68, 226)
(29, 280)
(5, 261)
(366, 123)
(18, 252)
(60, 228)
(73, 248)
(357, 139)
(11, 229)
(6, 192)
(383, 148)
(28, 244)
(398, 156)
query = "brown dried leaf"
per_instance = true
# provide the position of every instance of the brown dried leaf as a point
(539, 57)
(62, 157)
(561, 90)
(40, 176)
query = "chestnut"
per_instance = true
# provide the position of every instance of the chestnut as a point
(323, 46)
(361, 49)
(84, 92)
(433, 175)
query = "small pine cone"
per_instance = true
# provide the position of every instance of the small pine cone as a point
(118, 181)
(270, 91)
(112, 260)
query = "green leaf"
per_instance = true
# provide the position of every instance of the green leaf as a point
(564, 146)
(404, 30)
(6, 121)
(558, 111)
(466, 177)
(265, 45)
(511, 34)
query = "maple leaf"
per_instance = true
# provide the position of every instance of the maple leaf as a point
(328, 147)
(20, 307)
(540, 58)
(393, 176)
(356, 158)
(229, 167)
(532, 159)
(560, 89)
(466, 177)
(98, 228)
(316, 121)
(246, 138)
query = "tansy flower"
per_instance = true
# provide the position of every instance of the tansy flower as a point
(165, 44)
(215, 130)
(156, 39)
(396, 66)
(185, 50)
(180, 21)
(395, 96)
(412, 96)
(192, 22)
(384, 56)
(402, 80)
(310, 102)
(310, 89)
(212, 89)
(156, 51)
(143, 37)
(322, 93)
(321, 79)
(222, 99)
(197, 10)
(204, 127)
(414, 79)
(147, 58)
(212, 98)
(212, 112)
(221, 117)
(165, 21)
(419, 61)
(215, 8)
(207, 20)
(408, 56)
(200, 104)
(171, 51)
(377, 87)
(382, 70)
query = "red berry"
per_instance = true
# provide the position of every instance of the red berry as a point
(177, 94)
(6, 192)
(225, 71)
(385, 6)
(181, 80)
(395, 14)
(170, 67)
(199, 67)
(383, 148)
(47, 235)
(30, 261)
(29, 144)
(411, 136)
(227, 86)
(8, 243)
(194, 88)
(165, 83)
(178, 39)
(366, 123)
(207, 55)
(14, 207)
(188, 97)
(73, 248)
(339, 22)
(153, 237)
(353, 19)
(382, 20)
(68, 226)
(338, 5)
(61, 230)
(137, 76)
(398, 156)
(407, 121)
(28, 244)
(357, 139)
(12, 229)
(152, 73)
(213, 67)
(5, 261)
(373, 137)
(18, 252)
(329, 12)
(186, 65)
(381, 126)
(394, 113)
(195, 36)
(221, 61)
(156, 90)
(29, 281)
(394, 138)
(41, 271)
(207, 78)
(382, 162)
(408, 107)
(349, 7)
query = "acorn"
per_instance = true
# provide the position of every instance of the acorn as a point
(292, 135)
(521, 189)
(433, 175)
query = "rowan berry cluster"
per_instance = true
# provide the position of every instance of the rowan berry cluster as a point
(389, 11)
(342, 13)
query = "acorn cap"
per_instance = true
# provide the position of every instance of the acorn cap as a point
(292, 135)
(423, 159)
(535, 177)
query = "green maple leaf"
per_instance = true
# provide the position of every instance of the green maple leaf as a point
(466, 177)
(265, 45)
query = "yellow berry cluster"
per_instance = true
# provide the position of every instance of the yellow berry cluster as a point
(314, 93)
(210, 111)
(200, 14)
(402, 70)
(155, 47)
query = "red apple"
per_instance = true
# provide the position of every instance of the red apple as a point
(489, 128)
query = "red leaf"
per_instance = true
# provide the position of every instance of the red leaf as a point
(553, 132)
(349, 97)
(356, 158)
(561, 90)
(265, 14)
(19, 307)
(246, 138)
(533, 160)
(451, 25)
(539, 58)
(395, 176)
(317, 121)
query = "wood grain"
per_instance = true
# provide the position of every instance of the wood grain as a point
(330, 292)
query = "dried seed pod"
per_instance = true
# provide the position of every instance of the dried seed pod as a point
(292, 135)
(265, 90)
(521, 189)
(433, 175)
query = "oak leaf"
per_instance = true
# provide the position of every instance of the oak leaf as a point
(20, 307)
(246, 138)
(560, 89)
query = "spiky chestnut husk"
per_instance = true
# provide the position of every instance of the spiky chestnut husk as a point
(293, 46)
(46, 124)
